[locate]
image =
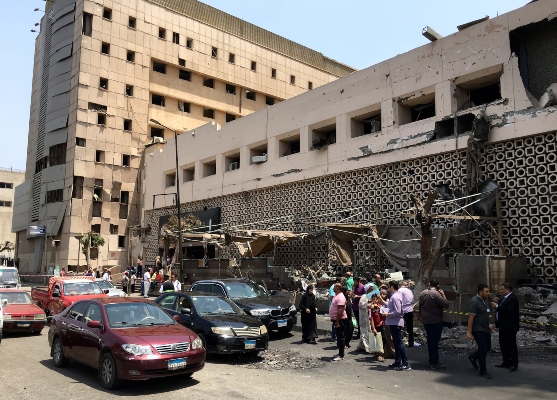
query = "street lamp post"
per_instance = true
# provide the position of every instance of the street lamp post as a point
(180, 256)
(78, 237)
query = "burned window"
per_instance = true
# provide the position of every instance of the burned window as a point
(129, 90)
(250, 95)
(273, 73)
(80, 142)
(214, 52)
(57, 154)
(97, 107)
(253, 66)
(113, 229)
(77, 190)
(230, 117)
(87, 29)
(184, 75)
(184, 106)
(127, 124)
(417, 106)
(107, 13)
(105, 48)
(101, 119)
(208, 82)
(209, 113)
(230, 89)
(130, 56)
(99, 156)
(157, 100)
(162, 33)
(157, 132)
(189, 43)
(231, 58)
(181, 62)
(175, 38)
(54, 196)
(131, 22)
(269, 100)
(96, 228)
(103, 83)
(159, 67)
(124, 197)
(126, 160)
(121, 241)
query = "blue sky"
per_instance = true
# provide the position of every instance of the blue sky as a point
(360, 33)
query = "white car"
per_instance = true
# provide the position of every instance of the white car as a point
(112, 291)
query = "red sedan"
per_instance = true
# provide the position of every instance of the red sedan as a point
(125, 339)
(20, 314)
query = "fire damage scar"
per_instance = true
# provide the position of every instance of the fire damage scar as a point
(290, 171)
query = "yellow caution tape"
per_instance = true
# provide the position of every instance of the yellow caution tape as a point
(491, 316)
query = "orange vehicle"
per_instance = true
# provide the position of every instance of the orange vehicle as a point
(62, 292)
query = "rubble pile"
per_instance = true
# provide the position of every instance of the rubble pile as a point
(272, 359)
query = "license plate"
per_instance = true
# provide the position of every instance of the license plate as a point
(24, 325)
(249, 344)
(176, 364)
(282, 323)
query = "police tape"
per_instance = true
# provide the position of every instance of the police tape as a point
(527, 321)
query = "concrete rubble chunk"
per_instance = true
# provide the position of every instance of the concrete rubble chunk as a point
(549, 98)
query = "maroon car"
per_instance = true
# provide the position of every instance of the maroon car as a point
(125, 339)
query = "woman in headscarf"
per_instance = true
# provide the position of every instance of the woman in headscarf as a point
(308, 315)
(364, 315)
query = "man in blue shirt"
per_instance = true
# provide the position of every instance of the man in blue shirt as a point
(395, 320)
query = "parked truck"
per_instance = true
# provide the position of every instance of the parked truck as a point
(61, 292)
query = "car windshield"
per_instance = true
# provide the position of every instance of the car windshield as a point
(124, 315)
(80, 288)
(16, 298)
(8, 275)
(244, 290)
(215, 305)
(105, 284)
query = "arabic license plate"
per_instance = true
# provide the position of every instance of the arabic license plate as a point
(249, 344)
(23, 325)
(176, 364)
(282, 323)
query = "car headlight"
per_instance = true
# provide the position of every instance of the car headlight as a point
(197, 343)
(40, 316)
(137, 350)
(222, 330)
(260, 313)
(292, 308)
(7, 316)
(263, 329)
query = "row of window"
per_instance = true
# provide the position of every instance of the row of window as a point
(6, 185)
(5, 203)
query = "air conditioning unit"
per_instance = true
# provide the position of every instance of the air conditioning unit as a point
(233, 166)
(259, 159)
(158, 139)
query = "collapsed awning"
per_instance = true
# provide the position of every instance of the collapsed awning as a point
(261, 241)
(342, 235)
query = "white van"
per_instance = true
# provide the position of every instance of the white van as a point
(9, 278)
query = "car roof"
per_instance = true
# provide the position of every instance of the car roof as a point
(120, 300)
(223, 280)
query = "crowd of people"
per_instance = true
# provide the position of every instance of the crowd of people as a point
(381, 311)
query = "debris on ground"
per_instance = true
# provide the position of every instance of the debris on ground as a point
(272, 359)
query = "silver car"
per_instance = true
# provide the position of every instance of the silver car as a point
(112, 290)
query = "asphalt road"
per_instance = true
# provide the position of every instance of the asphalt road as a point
(27, 372)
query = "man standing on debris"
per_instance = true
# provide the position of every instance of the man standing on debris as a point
(395, 321)
(432, 302)
(408, 308)
(507, 320)
(479, 329)
(337, 313)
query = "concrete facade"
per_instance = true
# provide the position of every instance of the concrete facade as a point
(9, 179)
(102, 70)
(368, 140)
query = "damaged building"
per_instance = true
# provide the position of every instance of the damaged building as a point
(471, 115)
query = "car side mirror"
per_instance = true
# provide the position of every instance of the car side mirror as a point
(176, 318)
(106, 291)
(94, 324)
(185, 310)
(55, 294)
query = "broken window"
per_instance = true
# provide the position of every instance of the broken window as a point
(175, 37)
(157, 132)
(170, 179)
(209, 113)
(185, 75)
(107, 13)
(130, 56)
(188, 174)
(289, 145)
(97, 107)
(123, 213)
(209, 168)
(253, 66)
(113, 229)
(57, 154)
(126, 160)
(127, 124)
(157, 100)
(250, 95)
(99, 156)
(87, 29)
(162, 33)
(230, 117)
(416, 107)
(214, 52)
(208, 82)
(230, 89)
(54, 196)
(310, 85)
(446, 127)
(159, 67)
(365, 124)
(181, 62)
(101, 119)
(478, 88)
(189, 43)
(103, 83)
(292, 80)
(97, 209)
(80, 142)
(131, 22)
(96, 228)
(231, 58)
(184, 106)
(270, 101)
(124, 197)
(273, 73)
(323, 137)
(121, 241)
(129, 90)
(77, 190)
(105, 48)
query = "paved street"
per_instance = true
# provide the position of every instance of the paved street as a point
(26, 372)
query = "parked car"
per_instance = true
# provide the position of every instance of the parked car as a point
(9, 278)
(112, 290)
(64, 291)
(221, 324)
(125, 339)
(20, 314)
(276, 313)
(2, 303)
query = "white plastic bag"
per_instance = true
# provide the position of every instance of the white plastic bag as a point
(375, 343)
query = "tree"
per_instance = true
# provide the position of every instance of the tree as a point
(90, 240)
(8, 246)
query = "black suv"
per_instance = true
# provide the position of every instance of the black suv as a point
(276, 313)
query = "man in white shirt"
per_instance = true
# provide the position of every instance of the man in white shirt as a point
(176, 283)
(105, 275)
(146, 281)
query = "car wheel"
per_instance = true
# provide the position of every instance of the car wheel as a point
(109, 375)
(58, 357)
(285, 330)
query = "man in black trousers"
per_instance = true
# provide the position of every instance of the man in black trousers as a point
(507, 320)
